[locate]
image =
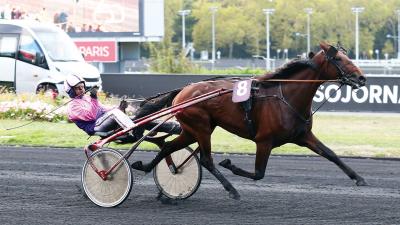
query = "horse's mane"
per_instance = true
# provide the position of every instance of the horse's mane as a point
(287, 70)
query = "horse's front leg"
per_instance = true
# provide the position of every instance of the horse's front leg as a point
(262, 155)
(318, 147)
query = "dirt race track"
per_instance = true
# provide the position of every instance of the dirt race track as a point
(42, 186)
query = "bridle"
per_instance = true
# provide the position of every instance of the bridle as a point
(344, 76)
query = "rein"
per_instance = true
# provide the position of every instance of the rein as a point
(298, 81)
(330, 96)
(330, 54)
(282, 98)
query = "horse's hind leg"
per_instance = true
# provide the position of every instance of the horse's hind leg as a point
(182, 141)
(262, 155)
(318, 147)
(207, 161)
(225, 183)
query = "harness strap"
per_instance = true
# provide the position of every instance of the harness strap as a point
(280, 96)
(283, 99)
(247, 106)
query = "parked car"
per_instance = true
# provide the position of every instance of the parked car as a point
(37, 57)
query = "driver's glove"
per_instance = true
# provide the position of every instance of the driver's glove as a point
(93, 92)
(123, 105)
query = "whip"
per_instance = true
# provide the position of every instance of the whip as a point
(57, 108)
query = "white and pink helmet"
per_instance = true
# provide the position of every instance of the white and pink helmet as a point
(70, 82)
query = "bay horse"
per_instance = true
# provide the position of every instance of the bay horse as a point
(281, 113)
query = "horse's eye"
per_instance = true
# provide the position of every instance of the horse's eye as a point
(337, 58)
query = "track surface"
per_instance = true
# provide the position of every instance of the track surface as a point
(42, 186)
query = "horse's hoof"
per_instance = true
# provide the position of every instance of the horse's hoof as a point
(361, 182)
(138, 165)
(234, 195)
(168, 201)
(165, 200)
(225, 163)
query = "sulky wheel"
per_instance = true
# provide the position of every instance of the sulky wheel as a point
(118, 184)
(185, 181)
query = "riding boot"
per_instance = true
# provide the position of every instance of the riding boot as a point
(138, 132)
(167, 127)
(173, 127)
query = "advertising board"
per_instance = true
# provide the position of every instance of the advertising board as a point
(86, 17)
(380, 94)
(98, 51)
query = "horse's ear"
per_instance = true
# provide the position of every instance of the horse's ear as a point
(324, 45)
(332, 51)
(311, 55)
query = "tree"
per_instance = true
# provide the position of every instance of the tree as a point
(241, 24)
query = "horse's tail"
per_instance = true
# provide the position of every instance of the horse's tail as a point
(156, 103)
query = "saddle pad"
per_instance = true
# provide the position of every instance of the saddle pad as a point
(241, 90)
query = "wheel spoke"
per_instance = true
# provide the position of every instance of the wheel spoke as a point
(183, 184)
(116, 188)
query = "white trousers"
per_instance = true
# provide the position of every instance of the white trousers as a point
(112, 120)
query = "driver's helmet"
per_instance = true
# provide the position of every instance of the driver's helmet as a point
(71, 81)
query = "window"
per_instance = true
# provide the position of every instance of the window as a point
(58, 45)
(29, 50)
(8, 46)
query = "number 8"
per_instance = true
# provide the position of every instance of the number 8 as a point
(241, 88)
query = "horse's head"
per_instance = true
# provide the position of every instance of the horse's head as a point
(337, 65)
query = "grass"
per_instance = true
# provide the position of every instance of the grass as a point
(370, 135)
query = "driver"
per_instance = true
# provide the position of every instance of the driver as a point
(88, 113)
(91, 116)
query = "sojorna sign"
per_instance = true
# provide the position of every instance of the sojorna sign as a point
(381, 94)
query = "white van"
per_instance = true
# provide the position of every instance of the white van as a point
(37, 57)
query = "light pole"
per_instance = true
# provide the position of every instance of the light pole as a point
(286, 53)
(213, 11)
(298, 34)
(398, 33)
(309, 12)
(357, 10)
(377, 54)
(278, 51)
(267, 13)
(183, 13)
(394, 40)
